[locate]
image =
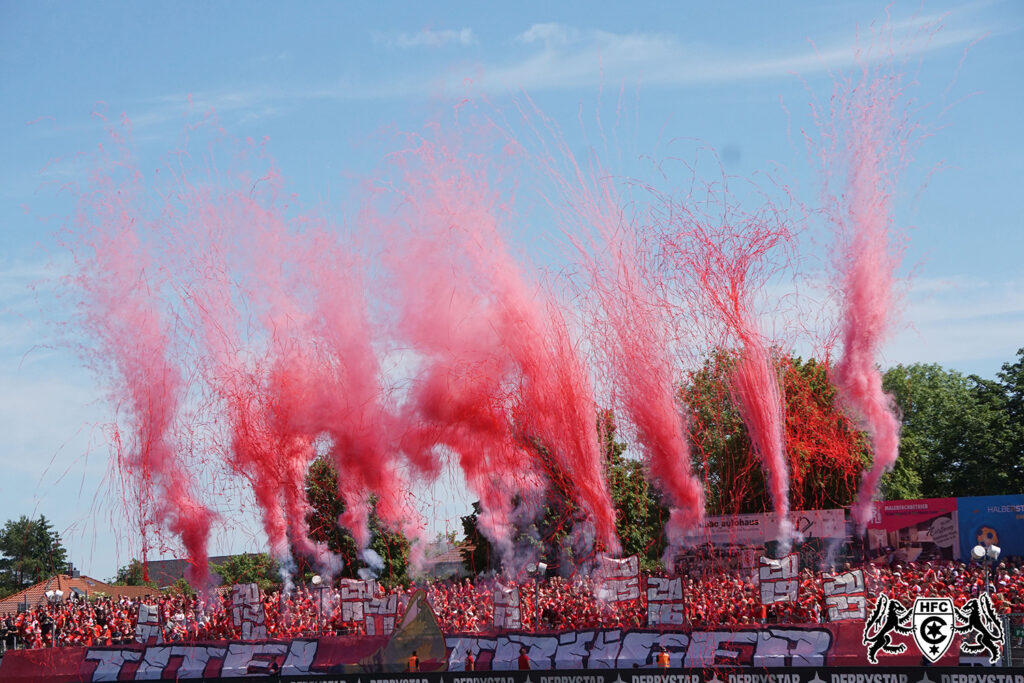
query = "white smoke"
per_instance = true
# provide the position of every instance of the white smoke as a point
(374, 564)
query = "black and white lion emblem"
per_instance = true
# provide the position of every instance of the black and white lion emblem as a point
(887, 617)
(979, 616)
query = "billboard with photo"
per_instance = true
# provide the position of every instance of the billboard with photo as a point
(914, 530)
(992, 520)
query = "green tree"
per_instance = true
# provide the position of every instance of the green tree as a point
(958, 433)
(326, 506)
(392, 547)
(477, 553)
(825, 450)
(258, 568)
(551, 534)
(548, 535)
(182, 587)
(639, 518)
(719, 442)
(640, 514)
(31, 552)
(1011, 378)
(132, 574)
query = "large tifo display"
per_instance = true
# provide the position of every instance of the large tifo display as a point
(826, 645)
(717, 674)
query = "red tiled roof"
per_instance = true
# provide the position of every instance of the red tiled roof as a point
(444, 560)
(85, 586)
(132, 592)
(450, 556)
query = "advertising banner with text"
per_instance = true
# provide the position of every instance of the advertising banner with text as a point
(758, 529)
(992, 520)
(915, 530)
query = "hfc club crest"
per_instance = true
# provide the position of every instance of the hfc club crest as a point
(933, 624)
(933, 621)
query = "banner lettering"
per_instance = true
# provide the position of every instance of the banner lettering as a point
(845, 595)
(507, 608)
(354, 593)
(596, 650)
(247, 613)
(778, 579)
(665, 601)
(380, 615)
(147, 625)
(618, 580)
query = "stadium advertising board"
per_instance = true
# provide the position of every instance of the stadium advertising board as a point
(915, 530)
(758, 529)
(995, 520)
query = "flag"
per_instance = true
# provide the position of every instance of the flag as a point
(845, 595)
(618, 580)
(664, 601)
(507, 608)
(778, 579)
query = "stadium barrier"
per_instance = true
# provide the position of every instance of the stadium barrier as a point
(752, 650)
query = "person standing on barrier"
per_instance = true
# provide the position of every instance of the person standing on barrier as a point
(662, 658)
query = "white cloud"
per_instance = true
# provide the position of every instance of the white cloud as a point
(282, 57)
(963, 323)
(960, 322)
(427, 38)
(572, 57)
(550, 34)
(554, 56)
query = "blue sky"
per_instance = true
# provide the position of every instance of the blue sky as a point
(324, 82)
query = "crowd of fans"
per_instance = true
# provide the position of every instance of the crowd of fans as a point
(711, 599)
(716, 598)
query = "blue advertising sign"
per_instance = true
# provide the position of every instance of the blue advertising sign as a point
(991, 520)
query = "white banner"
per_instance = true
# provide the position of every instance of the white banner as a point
(354, 593)
(758, 529)
(845, 595)
(665, 601)
(507, 608)
(778, 579)
(147, 626)
(247, 611)
(380, 615)
(618, 580)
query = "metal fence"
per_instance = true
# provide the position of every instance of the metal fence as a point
(1014, 639)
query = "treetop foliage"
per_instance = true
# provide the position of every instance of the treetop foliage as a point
(961, 436)
(132, 574)
(326, 506)
(258, 568)
(30, 551)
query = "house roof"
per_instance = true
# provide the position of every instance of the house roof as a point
(84, 586)
(443, 560)
(450, 556)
